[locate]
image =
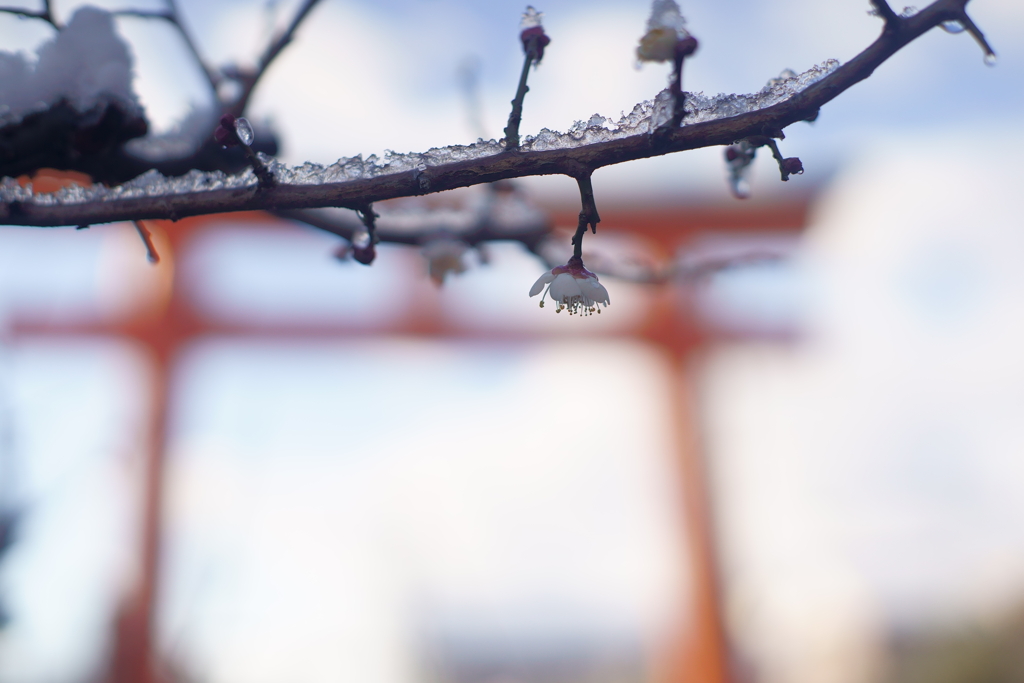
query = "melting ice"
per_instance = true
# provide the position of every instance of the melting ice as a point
(644, 118)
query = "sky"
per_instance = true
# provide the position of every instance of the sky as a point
(888, 313)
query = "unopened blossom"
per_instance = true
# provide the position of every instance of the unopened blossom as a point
(532, 30)
(363, 249)
(666, 34)
(444, 255)
(226, 134)
(572, 287)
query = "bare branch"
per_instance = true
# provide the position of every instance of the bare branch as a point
(211, 75)
(588, 213)
(250, 80)
(883, 10)
(147, 239)
(515, 117)
(173, 16)
(509, 164)
(979, 37)
(45, 15)
(485, 224)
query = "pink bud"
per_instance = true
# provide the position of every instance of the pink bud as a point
(542, 40)
(686, 47)
(364, 255)
(792, 166)
(225, 133)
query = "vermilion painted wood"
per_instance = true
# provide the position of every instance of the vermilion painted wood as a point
(697, 653)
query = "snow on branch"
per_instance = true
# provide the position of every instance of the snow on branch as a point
(356, 182)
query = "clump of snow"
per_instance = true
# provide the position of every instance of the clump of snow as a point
(84, 63)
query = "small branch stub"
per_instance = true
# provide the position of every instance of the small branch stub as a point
(588, 213)
(237, 131)
(534, 41)
(147, 239)
(667, 40)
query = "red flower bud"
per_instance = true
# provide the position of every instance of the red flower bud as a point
(225, 133)
(364, 255)
(686, 47)
(541, 39)
(792, 166)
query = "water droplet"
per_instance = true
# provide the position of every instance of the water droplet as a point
(244, 130)
(953, 27)
(360, 239)
(990, 59)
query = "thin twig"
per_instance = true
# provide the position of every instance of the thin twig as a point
(684, 48)
(263, 174)
(173, 17)
(211, 75)
(883, 10)
(515, 117)
(978, 36)
(249, 81)
(45, 15)
(151, 255)
(588, 213)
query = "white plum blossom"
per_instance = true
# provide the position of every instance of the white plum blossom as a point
(665, 28)
(573, 287)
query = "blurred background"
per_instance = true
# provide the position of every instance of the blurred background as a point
(295, 468)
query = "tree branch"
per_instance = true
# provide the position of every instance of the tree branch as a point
(249, 80)
(362, 191)
(588, 213)
(172, 16)
(45, 15)
(883, 10)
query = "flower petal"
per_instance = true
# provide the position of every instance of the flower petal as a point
(565, 288)
(594, 290)
(541, 281)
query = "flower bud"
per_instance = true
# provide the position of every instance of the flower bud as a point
(686, 47)
(535, 33)
(792, 166)
(226, 134)
(364, 255)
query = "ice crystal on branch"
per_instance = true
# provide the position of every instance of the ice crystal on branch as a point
(244, 130)
(644, 118)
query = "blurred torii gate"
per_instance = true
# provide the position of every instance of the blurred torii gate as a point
(699, 652)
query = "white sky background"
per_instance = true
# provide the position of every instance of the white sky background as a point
(367, 76)
(870, 476)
